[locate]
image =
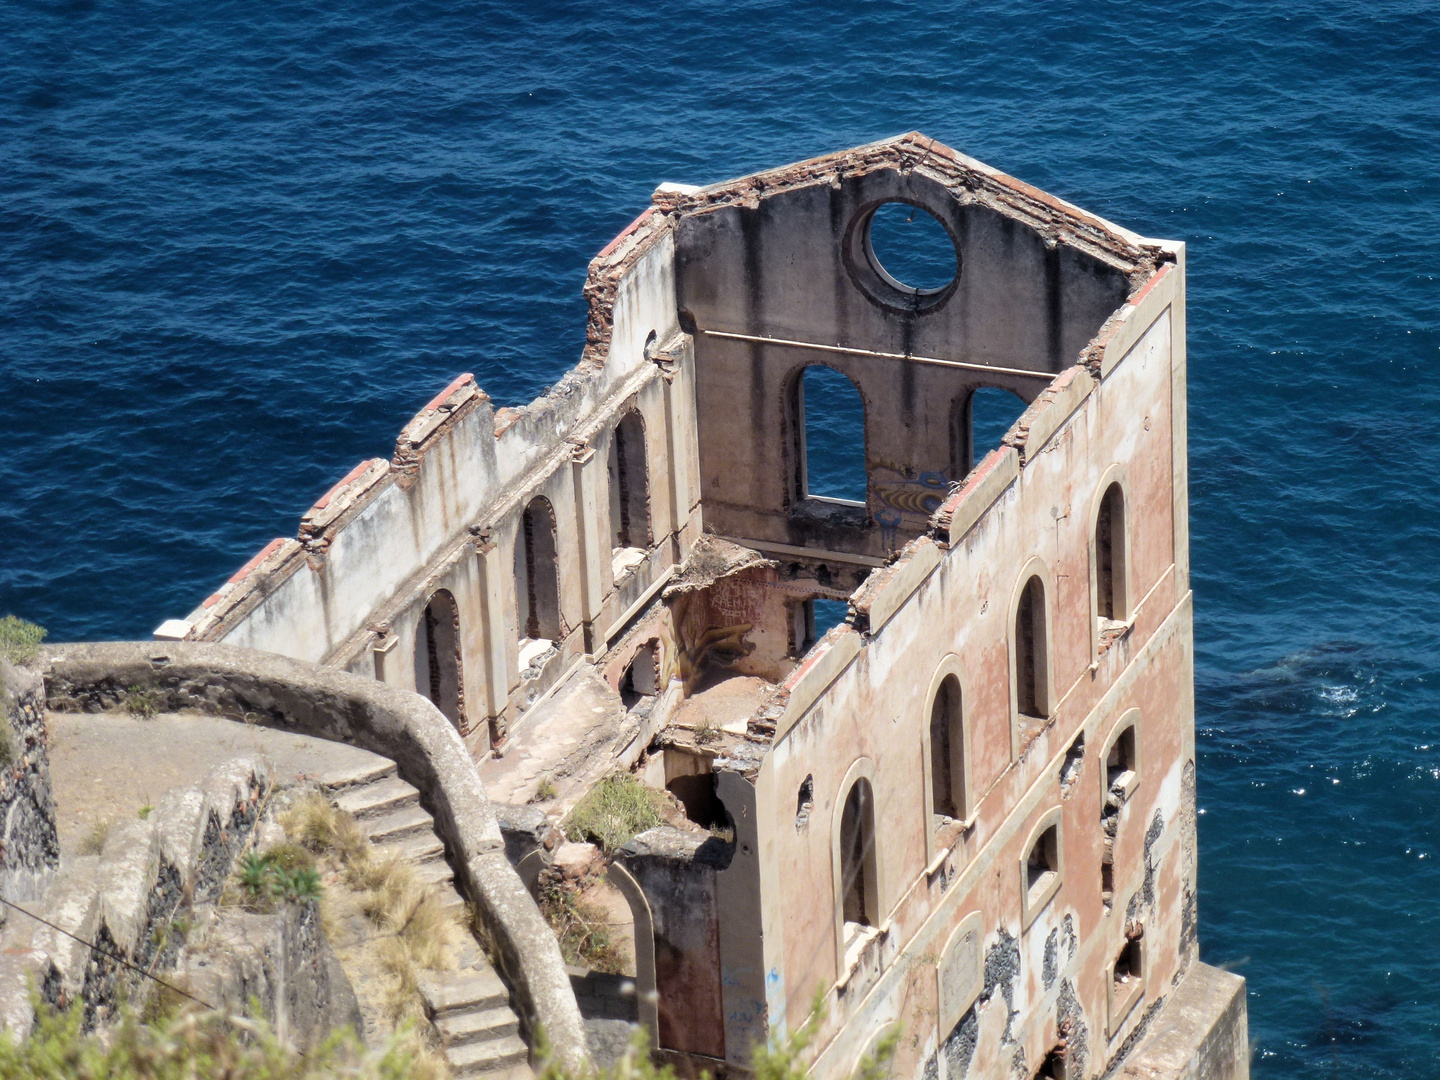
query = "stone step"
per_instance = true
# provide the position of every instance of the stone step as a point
(403, 824)
(450, 992)
(477, 1025)
(416, 850)
(371, 772)
(375, 800)
(477, 1059)
(435, 873)
(453, 904)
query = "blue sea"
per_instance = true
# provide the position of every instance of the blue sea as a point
(241, 243)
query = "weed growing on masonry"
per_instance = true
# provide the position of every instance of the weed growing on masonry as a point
(581, 928)
(142, 703)
(7, 735)
(706, 733)
(615, 811)
(94, 841)
(265, 881)
(390, 895)
(20, 640)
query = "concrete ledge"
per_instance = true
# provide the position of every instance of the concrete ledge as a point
(73, 904)
(884, 591)
(179, 819)
(985, 484)
(1135, 317)
(1048, 412)
(1200, 1033)
(129, 865)
(296, 696)
(266, 571)
(342, 502)
(830, 656)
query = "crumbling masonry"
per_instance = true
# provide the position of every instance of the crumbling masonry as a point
(967, 809)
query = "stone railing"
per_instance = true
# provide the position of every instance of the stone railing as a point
(296, 696)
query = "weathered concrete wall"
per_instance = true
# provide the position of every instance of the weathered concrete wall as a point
(1200, 1034)
(29, 845)
(773, 273)
(283, 961)
(948, 607)
(428, 753)
(445, 513)
(677, 871)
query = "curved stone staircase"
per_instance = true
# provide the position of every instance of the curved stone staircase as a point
(469, 1007)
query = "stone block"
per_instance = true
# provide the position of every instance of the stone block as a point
(129, 866)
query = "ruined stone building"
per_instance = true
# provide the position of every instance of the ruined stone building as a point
(967, 809)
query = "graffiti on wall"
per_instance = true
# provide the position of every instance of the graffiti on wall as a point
(906, 502)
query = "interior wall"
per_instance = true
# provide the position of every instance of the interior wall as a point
(791, 268)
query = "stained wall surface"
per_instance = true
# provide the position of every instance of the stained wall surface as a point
(772, 284)
(1051, 913)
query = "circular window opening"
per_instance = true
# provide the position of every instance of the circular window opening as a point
(908, 245)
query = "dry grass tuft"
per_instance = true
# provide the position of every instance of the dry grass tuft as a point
(94, 841)
(20, 640)
(402, 997)
(581, 926)
(423, 935)
(325, 829)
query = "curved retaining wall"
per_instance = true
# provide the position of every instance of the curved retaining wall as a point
(280, 692)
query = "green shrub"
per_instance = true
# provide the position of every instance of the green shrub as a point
(189, 1043)
(266, 880)
(614, 811)
(20, 640)
(142, 703)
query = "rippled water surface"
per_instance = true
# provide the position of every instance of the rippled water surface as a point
(242, 243)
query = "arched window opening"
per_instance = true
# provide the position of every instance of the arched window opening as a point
(640, 682)
(1042, 865)
(537, 581)
(857, 856)
(1120, 764)
(947, 758)
(1130, 964)
(831, 430)
(1110, 599)
(1120, 778)
(988, 413)
(629, 484)
(1127, 980)
(1053, 1067)
(1072, 764)
(1031, 690)
(437, 657)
